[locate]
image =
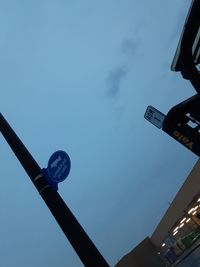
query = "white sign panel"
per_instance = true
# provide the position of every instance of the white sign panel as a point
(154, 116)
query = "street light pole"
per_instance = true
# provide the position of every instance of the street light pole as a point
(80, 241)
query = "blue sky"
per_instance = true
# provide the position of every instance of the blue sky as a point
(78, 76)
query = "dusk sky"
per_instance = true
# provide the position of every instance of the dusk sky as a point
(78, 76)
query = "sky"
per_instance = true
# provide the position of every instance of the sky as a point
(77, 76)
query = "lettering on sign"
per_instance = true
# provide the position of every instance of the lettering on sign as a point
(55, 163)
(183, 139)
(154, 116)
(59, 166)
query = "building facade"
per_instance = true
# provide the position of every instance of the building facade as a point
(178, 230)
(145, 254)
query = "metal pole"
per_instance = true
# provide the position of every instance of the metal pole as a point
(82, 244)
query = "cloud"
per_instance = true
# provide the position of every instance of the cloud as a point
(114, 80)
(129, 47)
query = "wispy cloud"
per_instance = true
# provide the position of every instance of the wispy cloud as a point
(114, 80)
(129, 47)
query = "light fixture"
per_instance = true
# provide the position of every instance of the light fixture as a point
(175, 229)
(194, 212)
(181, 225)
(198, 200)
(183, 220)
(191, 210)
(188, 220)
(163, 244)
(195, 208)
(175, 233)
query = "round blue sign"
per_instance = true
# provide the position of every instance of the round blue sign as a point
(59, 166)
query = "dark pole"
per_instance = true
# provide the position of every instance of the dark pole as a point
(82, 244)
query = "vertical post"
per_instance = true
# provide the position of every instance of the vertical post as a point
(80, 241)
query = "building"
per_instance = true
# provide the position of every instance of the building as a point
(185, 199)
(145, 254)
(178, 229)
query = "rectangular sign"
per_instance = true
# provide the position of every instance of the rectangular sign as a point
(154, 116)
